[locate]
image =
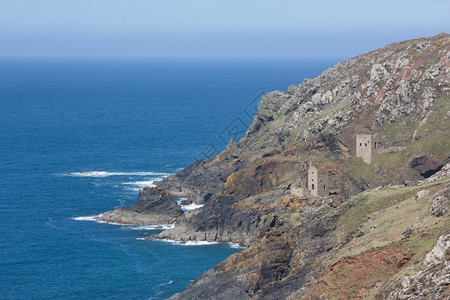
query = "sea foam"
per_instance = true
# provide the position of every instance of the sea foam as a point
(191, 207)
(235, 245)
(188, 243)
(87, 218)
(153, 227)
(201, 243)
(107, 174)
(126, 226)
(94, 219)
(143, 183)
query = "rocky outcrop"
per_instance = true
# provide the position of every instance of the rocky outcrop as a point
(426, 165)
(443, 173)
(432, 281)
(217, 221)
(441, 202)
(280, 259)
(154, 207)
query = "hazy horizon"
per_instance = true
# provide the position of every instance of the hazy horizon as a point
(202, 29)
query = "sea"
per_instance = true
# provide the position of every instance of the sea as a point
(81, 136)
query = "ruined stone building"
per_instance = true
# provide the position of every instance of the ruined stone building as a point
(318, 181)
(365, 147)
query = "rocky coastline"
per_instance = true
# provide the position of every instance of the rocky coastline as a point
(154, 207)
(390, 211)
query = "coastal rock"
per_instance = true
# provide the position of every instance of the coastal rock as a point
(421, 194)
(443, 173)
(426, 165)
(269, 105)
(432, 281)
(441, 202)
(154, 207)
(216, 221)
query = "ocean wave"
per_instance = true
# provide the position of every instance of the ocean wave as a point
(189, 243)
(191, 207)
(94, 219)
(107, 174)
(167, 283)
(235, 245)
(142, 184)
(152, 227)
(87, 218)
(126, 226)
(201, 243)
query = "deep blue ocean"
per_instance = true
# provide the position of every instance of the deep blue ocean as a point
(134, 121)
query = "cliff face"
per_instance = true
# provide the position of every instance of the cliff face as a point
(385, 215)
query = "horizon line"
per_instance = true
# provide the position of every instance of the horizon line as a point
(165, 57)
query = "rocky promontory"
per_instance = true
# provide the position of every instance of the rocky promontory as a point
(379, 217)
(154, 207)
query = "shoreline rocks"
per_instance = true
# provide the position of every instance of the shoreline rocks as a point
(154, 207)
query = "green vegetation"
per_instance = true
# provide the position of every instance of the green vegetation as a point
(370, 202)
(382, 217)
(431, 61)
(418, 245)
(405, 126)
(431, 137)
(423, 241)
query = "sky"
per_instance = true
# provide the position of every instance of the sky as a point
(213, 28)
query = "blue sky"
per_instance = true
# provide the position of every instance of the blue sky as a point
(208, 28)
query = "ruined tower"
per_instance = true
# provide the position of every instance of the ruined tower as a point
(317, 181)
(364, 147)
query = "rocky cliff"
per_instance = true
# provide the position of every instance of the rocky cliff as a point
(380, 219)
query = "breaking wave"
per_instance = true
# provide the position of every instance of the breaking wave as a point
(107, 174)
(152, 227)
(235, 245)
(188, 207)
(142, 184)
(191, 207)
(126, 226)
(188, 243)
(87, 218)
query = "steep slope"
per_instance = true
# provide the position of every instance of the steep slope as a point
(398, 94)
(383, 216)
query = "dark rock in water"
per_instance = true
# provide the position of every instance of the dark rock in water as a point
(216, 221)
(153, 207)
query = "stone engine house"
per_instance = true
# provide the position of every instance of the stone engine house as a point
(365, 147)
(318, 181)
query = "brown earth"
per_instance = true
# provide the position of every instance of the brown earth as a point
(351, 277)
